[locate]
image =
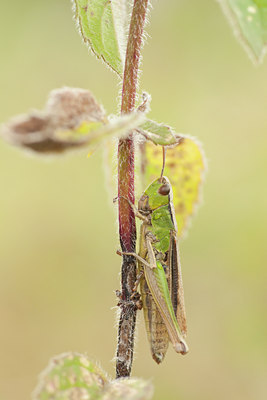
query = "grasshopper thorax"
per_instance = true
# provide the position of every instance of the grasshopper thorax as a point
(157, 194)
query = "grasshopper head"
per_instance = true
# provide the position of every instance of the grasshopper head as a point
(156, 195)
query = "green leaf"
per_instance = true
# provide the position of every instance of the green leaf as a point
(74, 376)
(102, 25)
(249, 20)
(185, 167)
(158, 133)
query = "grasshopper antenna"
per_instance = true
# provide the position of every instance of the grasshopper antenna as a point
(163, 162)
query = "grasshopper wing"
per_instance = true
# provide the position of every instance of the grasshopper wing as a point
(156, 330)
(158, 286)
(176, 283)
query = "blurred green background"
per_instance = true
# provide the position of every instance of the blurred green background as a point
(58, 236)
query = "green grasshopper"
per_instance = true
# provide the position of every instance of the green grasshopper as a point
(163, 298)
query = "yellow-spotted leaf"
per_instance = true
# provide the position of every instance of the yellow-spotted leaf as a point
(185, 167)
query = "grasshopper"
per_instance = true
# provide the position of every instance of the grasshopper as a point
(159, 268)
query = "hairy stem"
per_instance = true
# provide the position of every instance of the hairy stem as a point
(127, 228)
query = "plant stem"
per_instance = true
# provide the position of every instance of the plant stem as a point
(127, 228)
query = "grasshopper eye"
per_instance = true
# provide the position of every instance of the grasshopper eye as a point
(164, 190)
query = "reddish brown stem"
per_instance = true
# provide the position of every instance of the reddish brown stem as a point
(127, 228)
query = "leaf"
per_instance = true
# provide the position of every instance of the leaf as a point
(72, 119)
(70, 376)
(73, 376)
(130, 389)
(158, 133)
(185, 167)
(92, 133)
(249, 20)
(66, 109)
(102, 26)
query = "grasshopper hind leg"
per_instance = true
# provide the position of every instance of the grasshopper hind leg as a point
(157, 333)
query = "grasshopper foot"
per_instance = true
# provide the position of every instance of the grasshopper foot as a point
(135, 301)
(136, 298)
